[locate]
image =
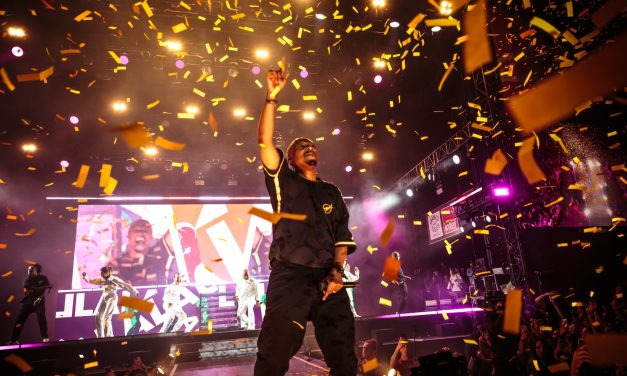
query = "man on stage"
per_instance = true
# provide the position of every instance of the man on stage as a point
(402, 285)
(304, 254)
(172, 306)
(108, 300)
(34, 301)
(246, 296)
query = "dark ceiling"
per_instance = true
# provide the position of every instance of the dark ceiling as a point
(400, 120)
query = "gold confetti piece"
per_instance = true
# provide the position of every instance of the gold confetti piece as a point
(295, 83)
(384, 284)
(562, 245)
(135, 135)
(111, 184)
(544, 25)
(151, 177)
(185, 115)
(105, 174)
(299, 325)
(82, 16)
(556, 97)
(560, 199)
(136, 304)
(310, 97)
(126, 315)
(513, 310)
(445, 76)
(577, 187)
(371, 249)
(576, 304)
(528, 164)
(444, 315)
(477, 50)
(273, 218)
(536, 365)
(283, 108)
(91, 365)
(168, 145)
(606, 349)
(386, 235)
(18, 362)
(385, 302)
(6, 79)
(443, 22)
(607, 12)
(199, 92)
(482, 232)
(391, 268)
(481, 127)
(7, 274)
(179, 28)
(411, 26)
(153, 104)
(496, 164)
(470, 341)
(545, 328)
(569, 9)
(30, 232)
(463, 173)
(294, 217)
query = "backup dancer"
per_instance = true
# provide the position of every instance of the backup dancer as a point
(109, 299)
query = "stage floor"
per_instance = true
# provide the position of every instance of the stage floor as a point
(243, 366)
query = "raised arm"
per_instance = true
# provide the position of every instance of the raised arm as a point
(275, 81)
(95, 281)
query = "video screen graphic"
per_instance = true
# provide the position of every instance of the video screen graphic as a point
(213, 244)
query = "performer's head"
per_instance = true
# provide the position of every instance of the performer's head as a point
(34, 270)
(177, 278)
(245, 274)
(139, 236)
(396, 255)
(105, 271)
(302, 154)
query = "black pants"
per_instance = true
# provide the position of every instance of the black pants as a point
(293, 298)
(402, 296)
(27, 309)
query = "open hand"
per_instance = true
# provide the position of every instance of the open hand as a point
(276, 81)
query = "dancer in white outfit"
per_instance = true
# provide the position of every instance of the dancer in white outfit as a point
(350, 277)
(172, 306)
(246, 296)
(109, 299)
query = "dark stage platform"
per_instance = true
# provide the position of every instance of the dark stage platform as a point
(233, 352)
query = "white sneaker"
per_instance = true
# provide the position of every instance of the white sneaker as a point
(45, 339)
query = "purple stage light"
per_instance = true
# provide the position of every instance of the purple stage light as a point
(17, 51)
(501, 191)
(180, 64)
(378, 79)
(255, 69)
(64, 163)
(124, 59)
(348, 168)
(304, 73)
(73, 119)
